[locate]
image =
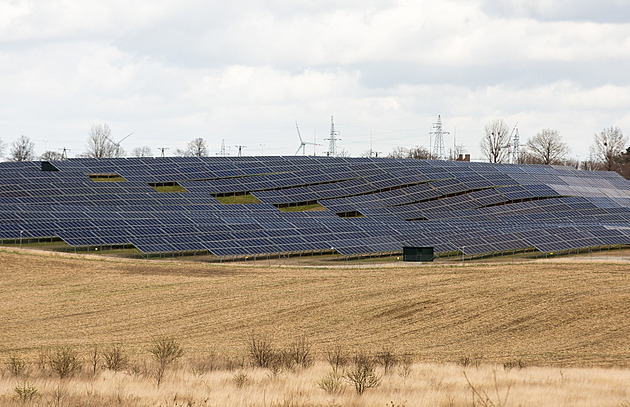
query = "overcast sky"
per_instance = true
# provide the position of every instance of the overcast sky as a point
(169, 71)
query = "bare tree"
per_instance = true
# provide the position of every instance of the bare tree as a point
(50, 156)
(399, 152)
(495, 144)
(99, 143)
(547, 147)
(22, 149)
(144, 151)
(607, 148)
(1, 148)
(417, 152)
(197, 148)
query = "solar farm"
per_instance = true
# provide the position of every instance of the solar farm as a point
(366, 206)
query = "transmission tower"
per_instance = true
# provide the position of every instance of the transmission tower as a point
(332, 140)
(240, 148)
(438, 139)
(222, 153)
(515, 139)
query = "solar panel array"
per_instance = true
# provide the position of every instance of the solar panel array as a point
(370, 205)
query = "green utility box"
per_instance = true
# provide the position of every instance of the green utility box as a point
(417, 253)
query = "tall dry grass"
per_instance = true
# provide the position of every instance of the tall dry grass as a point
(426, 385)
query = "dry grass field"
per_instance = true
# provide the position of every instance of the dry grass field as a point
(568, 322)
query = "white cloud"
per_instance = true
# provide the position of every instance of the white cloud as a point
(173, 70)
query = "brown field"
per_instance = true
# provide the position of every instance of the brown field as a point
(558, 317)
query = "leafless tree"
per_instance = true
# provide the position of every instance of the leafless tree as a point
(22, 149)
(417, 152)
(547, 147)
(607, 148)
(144, 151)
(50, 156)
(197, 148)
(1, 148)
(399, 152)
(495, 144)
(99, 143)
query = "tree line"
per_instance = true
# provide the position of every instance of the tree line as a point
(609, 150)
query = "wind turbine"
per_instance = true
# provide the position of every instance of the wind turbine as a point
(302, 142)
(118, 144)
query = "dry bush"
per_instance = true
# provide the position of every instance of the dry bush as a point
(362, 374)
(468, 360)
(240, 379)
(337, 358)
(514, 364)
(64, 361)
(95, 358)
(386, 358)
(262, 352)
(405, 365)
(299, 352)
(17, 365)
(25, 393)
(115, 358)
(331, 383)
(200, 365)
(138, 368)
(165, 350)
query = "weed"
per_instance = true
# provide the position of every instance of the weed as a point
(514, 364)
(482, 396)
(405, 366)
(25, 392)
(468, 360)
(240, 379)
(331, 383)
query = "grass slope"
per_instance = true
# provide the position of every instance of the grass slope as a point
(545, 313)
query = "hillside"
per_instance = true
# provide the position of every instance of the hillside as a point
(553, 313)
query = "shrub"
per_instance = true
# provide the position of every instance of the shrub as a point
(25, 392)
(331, 383)
(362, 375)
(165, 351)
(94, 359)
(115, 358)
(405, 366)
(240, 379)
(261, 352)
(514, 364)
(64, 361)
(336, 358)
(16, 365)
(465, 361)
(299, 352)
(386, 358)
